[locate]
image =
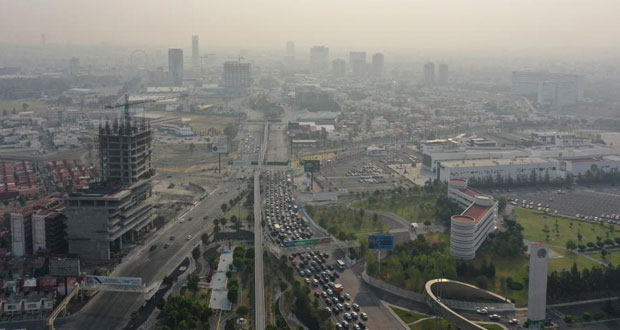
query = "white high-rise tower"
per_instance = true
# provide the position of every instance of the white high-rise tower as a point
(537, 294)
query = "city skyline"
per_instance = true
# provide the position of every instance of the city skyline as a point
(475, 27)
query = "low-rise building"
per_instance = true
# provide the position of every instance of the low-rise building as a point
(493, 170)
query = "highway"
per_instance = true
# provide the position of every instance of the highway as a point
(111, 310)
(259, 287)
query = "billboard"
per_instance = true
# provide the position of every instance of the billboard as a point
(219, 148)
(308, 242)
(312, 166)
(115, 281)
(381, 242)
(64, 267)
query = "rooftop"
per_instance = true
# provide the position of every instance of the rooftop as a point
(493, 162)
(476, 212)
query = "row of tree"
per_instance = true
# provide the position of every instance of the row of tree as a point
(181, 312)
(574, 284)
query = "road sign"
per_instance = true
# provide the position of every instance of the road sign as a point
(312, 166)
(115, 281)
(381, 242)
(219, 148)
(64, 267)
(308, 242)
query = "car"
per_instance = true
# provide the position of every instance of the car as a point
(361, 324)
(188, 237)
(513, 321)
(356, 327)
(354, 316)
(317, 293)
(347, 296)
(307, 280)
(356, 307)
(345, 324)
(482, 311)
(190, 219)
(171, 237)
(338, 326)
(329, 310)
(153, 247)
(328, 301)
(347, 316)
(324, 294)
(364, 316)
(347, 306)
(494, 317)
(166, 245)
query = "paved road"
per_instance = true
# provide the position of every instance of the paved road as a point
(259, 287)
(111, 310)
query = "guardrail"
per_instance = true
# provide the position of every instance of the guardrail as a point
(393, 289)
(62, 306)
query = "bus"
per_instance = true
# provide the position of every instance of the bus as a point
(341, 265)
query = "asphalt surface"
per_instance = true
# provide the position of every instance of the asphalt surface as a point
(277, 149)
(259, 287)
(111, 310)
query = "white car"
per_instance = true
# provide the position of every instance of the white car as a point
(188, 237)
(482, 311)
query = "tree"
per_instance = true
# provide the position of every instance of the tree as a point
(224, 207)
(571, 245)
(603, 253)
(243, 310)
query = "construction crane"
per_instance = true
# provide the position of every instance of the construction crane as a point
(127, 104)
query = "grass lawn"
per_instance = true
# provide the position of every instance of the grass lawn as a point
(407, 316)
(490, 326)
(534, 223)
(413, 208)
(516, 268)
(613, 257)
(432, 324)
(339, 220)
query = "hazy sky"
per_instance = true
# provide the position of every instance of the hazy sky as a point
(493, 26)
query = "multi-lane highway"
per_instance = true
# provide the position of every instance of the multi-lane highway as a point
(111, 310)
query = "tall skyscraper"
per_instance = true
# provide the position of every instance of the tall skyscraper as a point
(175, 66)
(442, 75)
(236, 74)
(339, 67)
(319, 59)
(290, 50)
(377, 65)
(429, 74)
(357, 61)
(195, 52)
(537, 285)
(74, 66)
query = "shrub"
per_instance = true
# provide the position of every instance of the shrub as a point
(586, 316)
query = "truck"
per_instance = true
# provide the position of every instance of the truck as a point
(338, 288)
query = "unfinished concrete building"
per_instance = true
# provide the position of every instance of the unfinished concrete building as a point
(101, 219)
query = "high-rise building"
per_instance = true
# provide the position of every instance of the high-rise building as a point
(237, 74)
(429, 74)
(357, 61)
(175, 66)
(377, 65)
(537, 285)
(195, 52)
(101, 219)
(74, 66)
(290, 50)
(339, 67)
(544, 88)
(39, 228)
(319, 59)
(442, 74)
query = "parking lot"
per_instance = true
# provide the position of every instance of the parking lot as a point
(583, 203)
(360, 173)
